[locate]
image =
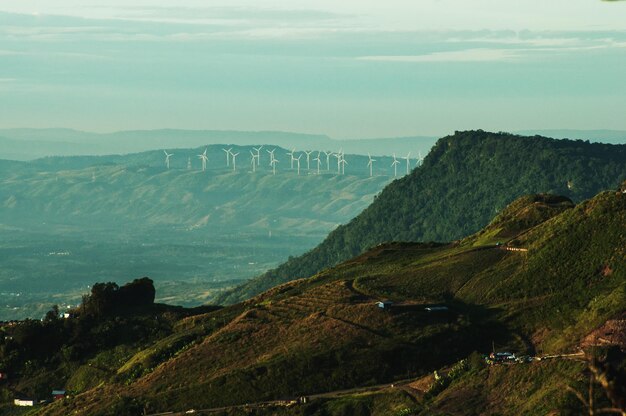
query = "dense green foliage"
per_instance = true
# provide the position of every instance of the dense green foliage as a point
(108, 298)
(465, 180)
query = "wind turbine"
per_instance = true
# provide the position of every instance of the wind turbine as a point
(290, 154)
(253, 161)
(167, 158)
(298, 161)
(319, 162)
(420, 159)
(338, 156)
(273, 164)
(308, 159)
(258, 154)
(234, 155)
(188, 163)
(204, 158)
(271, 153)
(395, 164)
(328, 159)
(371, 164)
(408, 162)
(344, 162)
(228, 153)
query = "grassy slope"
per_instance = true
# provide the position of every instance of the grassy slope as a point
(324, 333)
(531, 389)
(464, 181)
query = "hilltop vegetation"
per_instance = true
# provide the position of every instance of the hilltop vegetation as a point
(83, 349)
(326, 333)
(465, 180)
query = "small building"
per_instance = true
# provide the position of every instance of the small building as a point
(65, 315)
(436, 308)
(58, 394)
(502, 357)
(24, 402)
(385, 304)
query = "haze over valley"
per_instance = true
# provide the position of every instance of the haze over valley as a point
(68, 222)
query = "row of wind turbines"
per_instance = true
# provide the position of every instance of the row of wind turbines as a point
(255, 160)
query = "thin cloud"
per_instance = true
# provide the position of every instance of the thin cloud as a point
(467, 55)
(229, 13)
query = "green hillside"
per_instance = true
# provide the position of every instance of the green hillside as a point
(465, 180)
(538, 280)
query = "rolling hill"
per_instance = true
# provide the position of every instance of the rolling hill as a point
(541, 277)
(465, 180)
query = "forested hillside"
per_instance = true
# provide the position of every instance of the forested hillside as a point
(465, 180)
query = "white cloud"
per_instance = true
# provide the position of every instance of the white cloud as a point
(8, 52)
(517, 40)
(391, 14)
(467, 55)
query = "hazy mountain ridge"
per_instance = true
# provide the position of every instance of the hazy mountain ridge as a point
(465, 179)
(117, 185)
(28, 144)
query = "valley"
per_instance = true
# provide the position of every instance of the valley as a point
(67, 222)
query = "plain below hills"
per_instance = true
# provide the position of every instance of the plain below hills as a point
(68, 221)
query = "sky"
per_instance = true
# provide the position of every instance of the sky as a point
(349, 69)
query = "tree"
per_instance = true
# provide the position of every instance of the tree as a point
(52, 314)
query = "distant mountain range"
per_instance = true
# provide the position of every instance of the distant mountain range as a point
(118, 188)
(466, 179)
(29, 144)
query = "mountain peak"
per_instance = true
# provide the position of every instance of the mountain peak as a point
(527, 212)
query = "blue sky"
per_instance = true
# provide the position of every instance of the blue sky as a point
(348, 69)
